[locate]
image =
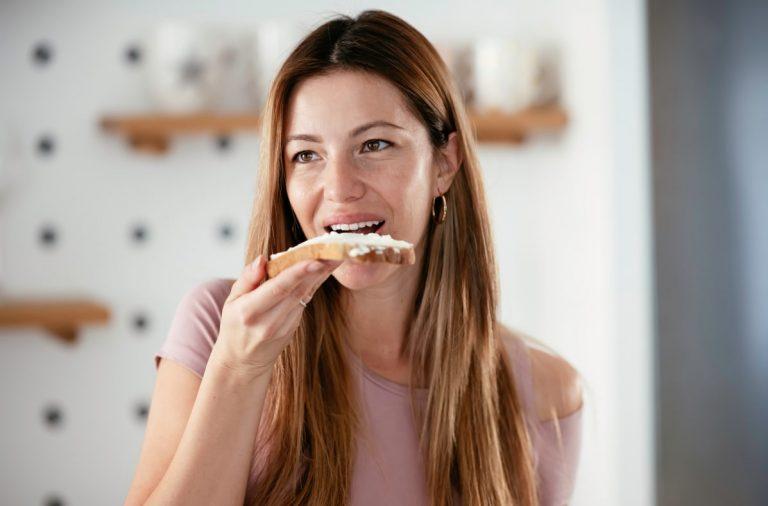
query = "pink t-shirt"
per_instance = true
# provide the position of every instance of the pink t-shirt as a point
(388, 468)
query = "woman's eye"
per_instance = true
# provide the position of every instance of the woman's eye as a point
(297, 156)
(373, 145)
(376, 144)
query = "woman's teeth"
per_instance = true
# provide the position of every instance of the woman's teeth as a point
(353, 227)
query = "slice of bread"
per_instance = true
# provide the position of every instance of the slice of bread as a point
(344, 246)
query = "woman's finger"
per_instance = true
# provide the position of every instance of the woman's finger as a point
(294, 314)
(251, 276)
(290, 308)
(290, 321)
(293, 281)
(284, 317)
(309, 291)
(273, 290)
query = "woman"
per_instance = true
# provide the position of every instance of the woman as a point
(303, 383)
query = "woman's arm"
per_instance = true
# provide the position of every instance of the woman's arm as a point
(211, 464)
(202, 454)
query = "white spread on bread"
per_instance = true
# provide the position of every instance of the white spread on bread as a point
(362, 243)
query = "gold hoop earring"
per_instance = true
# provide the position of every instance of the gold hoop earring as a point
(439, 216)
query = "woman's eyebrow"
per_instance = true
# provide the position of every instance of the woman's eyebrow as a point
(357, 131)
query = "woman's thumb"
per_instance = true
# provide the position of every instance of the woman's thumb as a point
(250, 278)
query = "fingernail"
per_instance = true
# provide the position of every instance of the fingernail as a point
(256, 263)
(315, 266)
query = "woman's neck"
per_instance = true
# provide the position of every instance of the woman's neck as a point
(379, 320)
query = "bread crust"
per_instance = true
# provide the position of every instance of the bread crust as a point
(340, 251)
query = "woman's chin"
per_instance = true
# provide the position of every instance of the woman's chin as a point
(356, 276)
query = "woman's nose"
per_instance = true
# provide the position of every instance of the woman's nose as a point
(341, 181)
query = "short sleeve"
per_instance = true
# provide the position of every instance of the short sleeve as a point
(195, 325)
(557, 443)
(559, 449)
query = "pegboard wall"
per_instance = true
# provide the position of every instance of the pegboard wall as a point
(81, 214)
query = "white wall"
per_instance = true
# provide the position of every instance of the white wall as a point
(570, 215)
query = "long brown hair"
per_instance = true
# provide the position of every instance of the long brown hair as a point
(474, 438)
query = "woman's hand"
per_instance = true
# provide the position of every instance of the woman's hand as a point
(259, 317)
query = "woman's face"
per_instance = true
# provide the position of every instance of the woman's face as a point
(349, 162)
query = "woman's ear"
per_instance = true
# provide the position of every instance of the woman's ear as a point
(450, 163)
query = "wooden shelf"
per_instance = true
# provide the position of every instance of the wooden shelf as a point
(496, 126)
(62, 318)
(151, 133)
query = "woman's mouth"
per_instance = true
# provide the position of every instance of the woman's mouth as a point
(360, 230)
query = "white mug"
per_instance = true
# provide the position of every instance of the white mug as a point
(506, 74)
(236, 85)
(273, 42)
(180, 70)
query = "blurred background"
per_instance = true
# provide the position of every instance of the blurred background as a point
(622, 144)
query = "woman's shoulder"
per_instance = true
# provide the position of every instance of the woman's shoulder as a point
(209, 294)
(195, 324)
(556, 384)
(215, 287)
(204, 301)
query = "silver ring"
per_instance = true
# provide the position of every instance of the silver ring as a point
(301, 301)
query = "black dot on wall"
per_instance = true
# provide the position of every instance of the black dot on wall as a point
(226, 231)
(133, 54)
(53, 500)
(42, 53)
(139, 233)
(140, 322)
(141, 410)
(48, 235)
(223, 142)
(46, 145)
(229, 56)
(53, 416)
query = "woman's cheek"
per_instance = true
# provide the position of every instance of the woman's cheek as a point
(302, 196)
